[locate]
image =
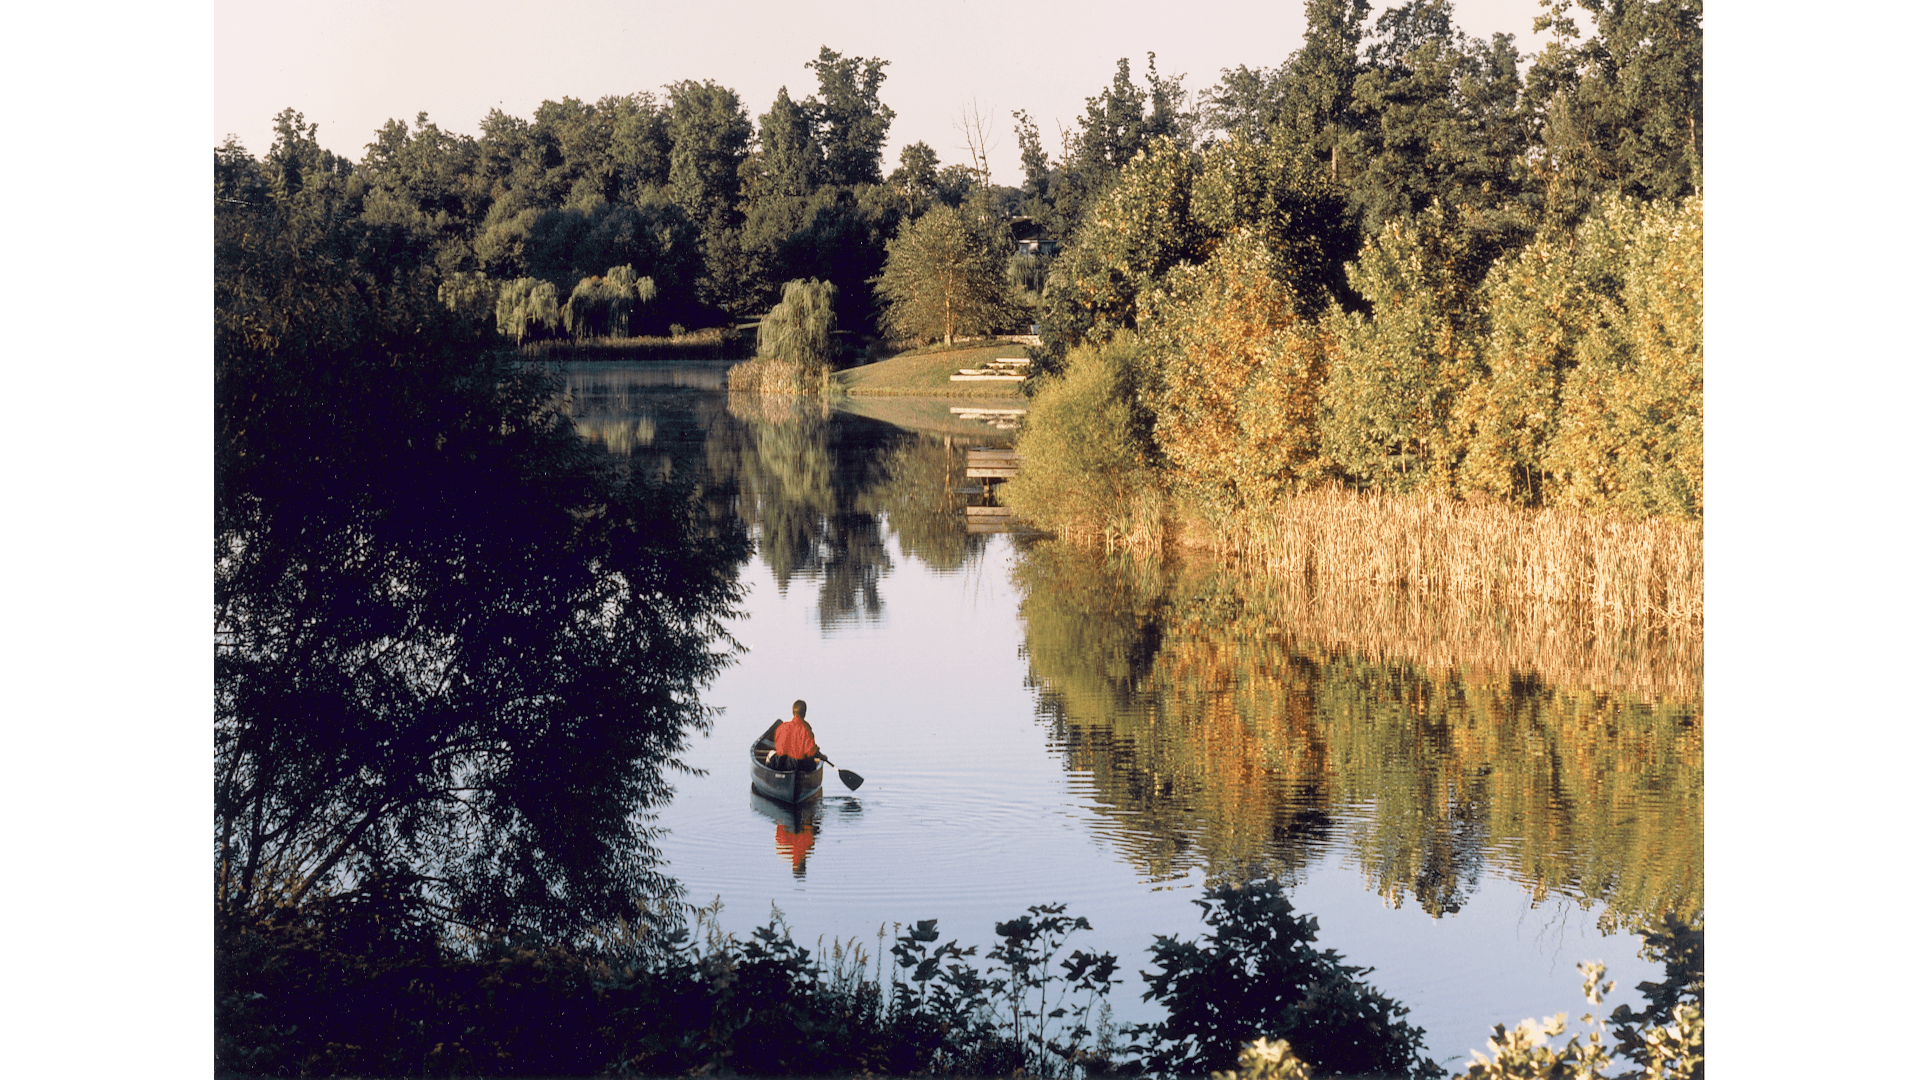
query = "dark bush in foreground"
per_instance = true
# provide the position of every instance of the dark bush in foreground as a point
(363, 988)
(1256, 975)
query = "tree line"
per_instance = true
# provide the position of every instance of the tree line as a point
(682, 191)
(1399, 262)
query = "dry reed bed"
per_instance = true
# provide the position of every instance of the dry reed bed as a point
(1579, 599)
(1487, 642)
(1424, 549)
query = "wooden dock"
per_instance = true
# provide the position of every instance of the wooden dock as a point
(985, 467)
(992, 464)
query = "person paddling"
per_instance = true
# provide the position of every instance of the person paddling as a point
(794, 747)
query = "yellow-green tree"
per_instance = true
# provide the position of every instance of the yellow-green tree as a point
(1233, 375)
(1632, 412)
(1392, 382)
(1541, 307)
(1085, 449)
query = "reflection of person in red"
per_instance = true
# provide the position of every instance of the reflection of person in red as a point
(793, 741)
(794, 845)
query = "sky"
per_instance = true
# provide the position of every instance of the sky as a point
(351, 65)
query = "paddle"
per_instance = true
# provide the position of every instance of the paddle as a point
(852, 779)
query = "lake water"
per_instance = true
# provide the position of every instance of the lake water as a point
(1038, 725)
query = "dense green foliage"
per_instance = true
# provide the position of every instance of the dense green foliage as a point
(945, 276)
(456, 649)
(681, 186)
(1413, 263)
(356, 987)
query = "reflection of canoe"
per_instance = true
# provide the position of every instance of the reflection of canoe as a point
(789, 787)
(795, 816)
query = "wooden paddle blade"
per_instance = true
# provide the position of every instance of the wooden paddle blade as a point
(852, 779)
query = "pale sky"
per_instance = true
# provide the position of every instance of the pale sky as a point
(351, 65)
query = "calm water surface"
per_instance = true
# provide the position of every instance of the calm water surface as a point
(1041, 726)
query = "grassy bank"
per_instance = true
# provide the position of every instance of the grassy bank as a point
(924, 372)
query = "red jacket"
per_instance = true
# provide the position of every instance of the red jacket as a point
(795, 739)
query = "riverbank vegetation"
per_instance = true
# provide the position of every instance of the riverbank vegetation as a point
(1414, 275)
(1340, 318)
(361, 989)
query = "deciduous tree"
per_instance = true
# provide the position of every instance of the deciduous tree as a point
(945, 276)
(1232, 375)
(852, 120)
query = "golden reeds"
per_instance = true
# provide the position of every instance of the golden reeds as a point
(1486, 553)
(770, 375)
(1582, 599)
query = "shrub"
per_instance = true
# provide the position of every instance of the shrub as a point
(1258, 975)
(1085, 451)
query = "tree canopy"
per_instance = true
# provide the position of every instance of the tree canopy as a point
(945, 276)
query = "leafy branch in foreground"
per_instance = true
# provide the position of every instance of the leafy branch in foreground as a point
(1259, 976)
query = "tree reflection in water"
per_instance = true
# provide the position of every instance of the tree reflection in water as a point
(458, 652)
(1220, 736)
(825, 489)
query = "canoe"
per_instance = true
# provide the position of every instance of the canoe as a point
(788, 787)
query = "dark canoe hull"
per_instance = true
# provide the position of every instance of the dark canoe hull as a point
(789, 788)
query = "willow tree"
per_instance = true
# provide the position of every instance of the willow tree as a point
(603, 306)
(801, 327)
(526, 304)
(470, 294)
(945, 275)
